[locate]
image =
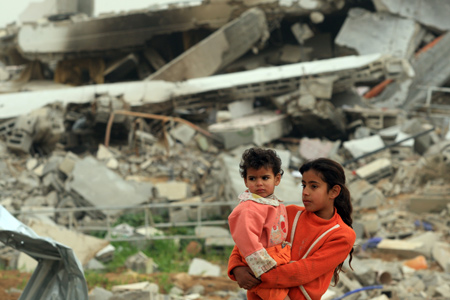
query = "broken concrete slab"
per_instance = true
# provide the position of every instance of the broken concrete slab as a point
(155, 95)
(362, 146)
(316, 118)
(375, 170)
(217, 50)
(183, 133)
(315, 148)
(432, 14)
(259, 128)
(441, 253)
(84, 246)
(100, 187)
(173, 190)
(358, 33)
(202, 267)
(141, 263)
(403, 249)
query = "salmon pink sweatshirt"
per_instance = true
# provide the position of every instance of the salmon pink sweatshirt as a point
(318, 247)
(255, 224)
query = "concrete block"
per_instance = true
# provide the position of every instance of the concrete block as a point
(428, 240)
(302, 32)
(441, 253)
(141, 263)
(183, 133)
(98, 293)
(99, 186)
(202, 267)
(67, 164)
(94, 265)
(375, 170)
(138, 286)
(173, 190)
(241, 108)
(258, 128)
(402, 248)
(364, 145)
(432, 13)
(314, 148)
(103, 153)
(218, 50)
(428, 203)
(371, 223)
(7, 127)
(357, 33)
(20, 141)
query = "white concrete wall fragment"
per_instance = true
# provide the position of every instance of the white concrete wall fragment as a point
(441, 253)
(431, 13)
(217, 50)
(101, 187)
(364, 145)
(259, 128)
(202, 267)
(369, 33)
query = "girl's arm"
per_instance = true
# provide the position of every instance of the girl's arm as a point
(303, 271)
(234, 261)
(239, 272)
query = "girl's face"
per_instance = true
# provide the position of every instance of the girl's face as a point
(316, 197)
(262, 181)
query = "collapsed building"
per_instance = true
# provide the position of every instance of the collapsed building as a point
(156, 105)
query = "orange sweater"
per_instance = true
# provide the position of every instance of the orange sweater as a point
(311, 270)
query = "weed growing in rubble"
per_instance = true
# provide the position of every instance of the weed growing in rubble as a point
(164, 282)
(94, 278)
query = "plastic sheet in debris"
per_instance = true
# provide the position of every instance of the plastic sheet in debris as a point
(58, 275)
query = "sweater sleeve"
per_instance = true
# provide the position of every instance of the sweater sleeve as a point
(303, 271)
(246, 227)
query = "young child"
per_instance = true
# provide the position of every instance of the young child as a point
(258, 224)
(320, 232)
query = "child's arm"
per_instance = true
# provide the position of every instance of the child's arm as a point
(303, 271)
(246, 227)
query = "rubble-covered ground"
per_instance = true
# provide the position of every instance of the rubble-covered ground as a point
(129, 126)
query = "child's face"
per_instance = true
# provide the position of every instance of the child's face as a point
(316, 197)
(262, 181)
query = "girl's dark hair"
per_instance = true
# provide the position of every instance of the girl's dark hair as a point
(257, 158)
(333, 174)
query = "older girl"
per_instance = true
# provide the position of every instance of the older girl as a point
(320, 232)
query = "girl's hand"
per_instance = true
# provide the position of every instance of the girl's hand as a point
(245, 278)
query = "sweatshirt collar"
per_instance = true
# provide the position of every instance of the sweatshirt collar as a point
(269, 200)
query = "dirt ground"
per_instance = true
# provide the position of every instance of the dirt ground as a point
(12, 281)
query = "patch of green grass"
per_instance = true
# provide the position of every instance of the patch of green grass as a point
(22, 284)
(96, 279)
(122, 252)
(168, 255)
(164, 283)
(134, 219)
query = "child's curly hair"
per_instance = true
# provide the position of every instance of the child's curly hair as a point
(257, 158)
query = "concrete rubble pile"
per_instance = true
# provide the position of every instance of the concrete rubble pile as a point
(151, 109)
